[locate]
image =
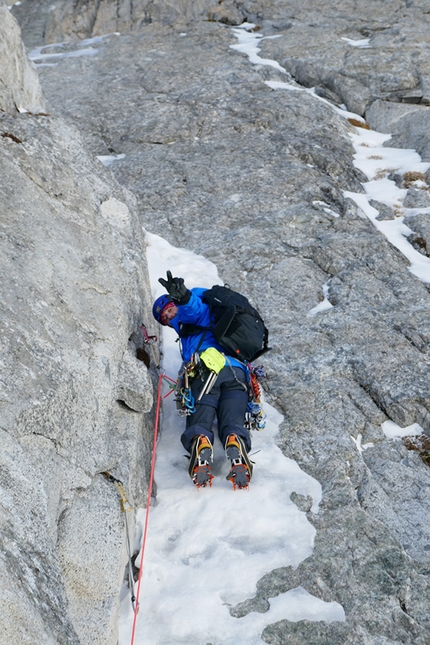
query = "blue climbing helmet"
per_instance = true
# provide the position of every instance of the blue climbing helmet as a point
(159, 305)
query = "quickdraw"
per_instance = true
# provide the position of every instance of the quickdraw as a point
(255, 419)
(184, 398)
(183, 395)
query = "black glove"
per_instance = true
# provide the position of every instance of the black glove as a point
(176, 289)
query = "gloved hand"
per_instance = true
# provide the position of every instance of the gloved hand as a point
(176, 289)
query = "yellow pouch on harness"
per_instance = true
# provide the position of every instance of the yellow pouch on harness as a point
(213, 359)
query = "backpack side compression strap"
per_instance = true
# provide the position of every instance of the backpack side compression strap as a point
(265, 347)
(187, 329)
(224, 322)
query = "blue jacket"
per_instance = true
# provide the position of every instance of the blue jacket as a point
(196, 312)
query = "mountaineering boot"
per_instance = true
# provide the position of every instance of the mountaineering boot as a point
(200, 456)
(241, 468)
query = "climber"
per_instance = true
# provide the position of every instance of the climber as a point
(218, 385)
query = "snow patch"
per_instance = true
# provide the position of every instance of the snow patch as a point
(248, 45)
(71, 50)
(396, 233)
(324, 305)
(363, 43)
(391, 430)
(359, 443)
(207, 549)
(107, 160)
(377, 163)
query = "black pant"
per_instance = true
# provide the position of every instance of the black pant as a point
(228, 399)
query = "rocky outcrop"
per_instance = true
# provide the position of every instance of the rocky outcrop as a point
(374, 59)
(46, 23)
(74, 397)
(408, 124)
(358, 53)
(255, 180)
(20, 89)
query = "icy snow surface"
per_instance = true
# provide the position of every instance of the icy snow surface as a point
(248, 45)
(207, 548)
(377, 162)
(82, 48)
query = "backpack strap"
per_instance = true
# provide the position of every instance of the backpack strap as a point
(224, 322)
(187, 329)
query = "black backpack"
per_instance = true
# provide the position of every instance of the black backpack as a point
(237, 326)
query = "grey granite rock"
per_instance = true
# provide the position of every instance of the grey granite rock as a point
(226, 13)
(385, 212)
(408, 124)
(43, 22)
(231, 169)
(135, 387)
(37, 610)
(416, 198)
(419, 224)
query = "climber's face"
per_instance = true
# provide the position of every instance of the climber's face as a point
(168, 313)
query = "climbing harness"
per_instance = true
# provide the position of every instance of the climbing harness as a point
(184, 398)
(126, 507)
(214, 361)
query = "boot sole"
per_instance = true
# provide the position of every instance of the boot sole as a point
(241, 469)
(199, 469)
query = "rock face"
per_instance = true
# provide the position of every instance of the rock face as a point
(19, 83)
(44, 22)
(254, 180)
(74, 398)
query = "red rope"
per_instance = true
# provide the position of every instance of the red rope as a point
(148, 504)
